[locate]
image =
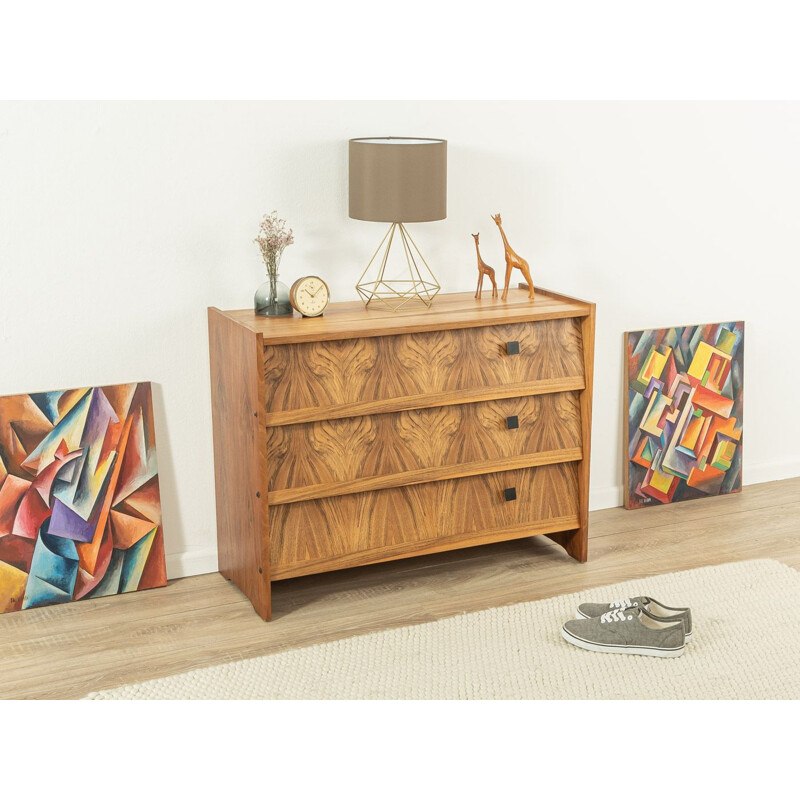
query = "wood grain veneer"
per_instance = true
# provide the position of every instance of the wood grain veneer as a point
(455, 397)
(424, 475)
(240, 458)
(319, 454)
(367, 527)
(352, 321)
(334, 373)
(367, 436)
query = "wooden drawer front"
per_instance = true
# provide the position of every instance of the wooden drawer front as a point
(322, 454)
(345, 371)
(355, 529)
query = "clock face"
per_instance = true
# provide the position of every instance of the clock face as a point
(310, 296)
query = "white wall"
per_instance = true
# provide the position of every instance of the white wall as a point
(121, 222)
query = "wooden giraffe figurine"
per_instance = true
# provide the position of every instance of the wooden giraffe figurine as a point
(483, 269)
(513, 260)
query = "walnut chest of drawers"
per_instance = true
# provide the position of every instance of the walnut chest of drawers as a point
(369, 435)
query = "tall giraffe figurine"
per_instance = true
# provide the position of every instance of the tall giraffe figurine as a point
(483, 269)
(513, 260)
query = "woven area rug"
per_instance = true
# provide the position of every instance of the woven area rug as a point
(746, 645)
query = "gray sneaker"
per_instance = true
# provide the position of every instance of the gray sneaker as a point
(634, 631)
(656, 609)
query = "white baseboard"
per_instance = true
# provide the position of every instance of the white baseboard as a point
(761, 473)
(192, 562)
(612, 496)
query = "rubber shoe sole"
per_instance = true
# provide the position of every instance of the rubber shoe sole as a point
(687, 638)
(630, 650)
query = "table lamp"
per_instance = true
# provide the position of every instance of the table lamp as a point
(398, 179)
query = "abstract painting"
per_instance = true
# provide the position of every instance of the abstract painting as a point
(80, 509)
(683, 437)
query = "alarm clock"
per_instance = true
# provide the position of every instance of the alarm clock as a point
(310, 296)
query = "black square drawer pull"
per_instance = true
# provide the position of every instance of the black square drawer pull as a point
(512, 348)
(510, 494)
(512, 422)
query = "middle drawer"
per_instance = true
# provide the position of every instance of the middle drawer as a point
(320, 454)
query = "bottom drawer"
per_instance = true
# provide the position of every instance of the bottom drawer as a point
(354, 529)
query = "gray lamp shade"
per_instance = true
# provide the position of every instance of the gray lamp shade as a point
(398, 179)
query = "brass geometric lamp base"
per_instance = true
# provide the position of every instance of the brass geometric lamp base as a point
(395, 293)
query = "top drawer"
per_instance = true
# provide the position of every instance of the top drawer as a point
(324, 375)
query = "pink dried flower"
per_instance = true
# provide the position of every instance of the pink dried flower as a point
(273, 238)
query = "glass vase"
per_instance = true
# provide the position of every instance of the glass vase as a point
(272, 298)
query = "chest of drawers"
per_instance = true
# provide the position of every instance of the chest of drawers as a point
(369, 435)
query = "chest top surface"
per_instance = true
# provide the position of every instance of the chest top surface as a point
(351, 320)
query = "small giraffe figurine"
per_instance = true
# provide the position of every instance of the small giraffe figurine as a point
(513, 260)
(483, 269)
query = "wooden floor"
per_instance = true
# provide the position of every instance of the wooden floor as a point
(69, 650)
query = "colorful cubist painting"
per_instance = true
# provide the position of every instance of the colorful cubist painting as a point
(684, 431)
(80, 510)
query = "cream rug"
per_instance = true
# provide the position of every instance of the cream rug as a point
(746, 645)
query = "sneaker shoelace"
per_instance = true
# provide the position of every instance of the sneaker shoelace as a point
(622, 604)
(617, 615)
